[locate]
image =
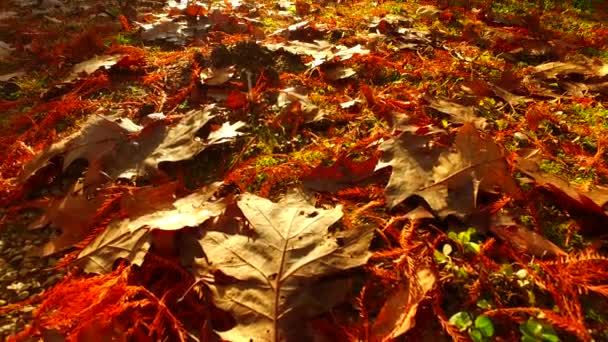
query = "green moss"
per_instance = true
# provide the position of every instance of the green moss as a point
(550, 166)
(267, 161)
(595, 116)
(309, 156)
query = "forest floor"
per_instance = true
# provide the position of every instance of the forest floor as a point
(303, 170)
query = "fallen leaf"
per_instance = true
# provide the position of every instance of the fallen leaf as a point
(449, 181)
(217, 76)
(130, 239)
(281, 269)
(398, 312)
(523, 239)
(118, 148)
(591, 202)
(5, 51)
(74, 214)
(289, 96)
(476, 164)
(412, 158)
(225, 133)
(91, 65)
(460, 114)
(342, 173)
(321, 51)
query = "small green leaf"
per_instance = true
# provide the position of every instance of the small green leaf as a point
(484, 304)
(550, 337)
(474, 247)
(531, 328)
(485, 326)
(462, 320)
(464, 237)
(440, 257)
(528, 338)
(476, 335)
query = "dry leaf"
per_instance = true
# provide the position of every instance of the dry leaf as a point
(120, 148)
(278, 269)
(217, 76)
(342, 173)
(460, 114)
(130, 239)
(91, 65)
(397, 314)
(591, 202)
(449, 182)
(523, 239)
(74, 214)
(412, 158)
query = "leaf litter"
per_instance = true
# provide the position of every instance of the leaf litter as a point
(404, 123)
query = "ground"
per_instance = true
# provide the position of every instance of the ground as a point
(203, 171)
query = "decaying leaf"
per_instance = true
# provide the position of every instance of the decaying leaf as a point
(74, 214)
(450, 181)
(523, 239)
(119, 148)
(225, 133)
(278, 269)
(343, 173)
(130, 239)
(309, 110)
(412, 158)
(321, 51)
(217, 76)
(397, 314)
(459, 113)
(576, 78)
(91, 65)
(476, 164)
(591, 202)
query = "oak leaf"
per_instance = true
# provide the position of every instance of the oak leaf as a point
(282, 268)
(523, 239)
(449, 181)
(130, 238)
(343, 173)
(459, 113)
(74, 214)
(412, 157)
(118, 148)
(398, 312)
(475, 165)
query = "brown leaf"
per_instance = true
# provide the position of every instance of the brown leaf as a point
(74, 214)
(412, 158)
(523, 239)
(288, 96)
(225, 133)
(146, 199)
(449, 181)
(279, 271)
(342, 173)
(121, 149)
(459, 113)
(397, 314)
(476, 164)
(592, 202)
(130, 238)
(91, 65)
(217, 76)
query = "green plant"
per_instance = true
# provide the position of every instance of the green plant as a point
(465, 238)
(482, 329)
(533, 330)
